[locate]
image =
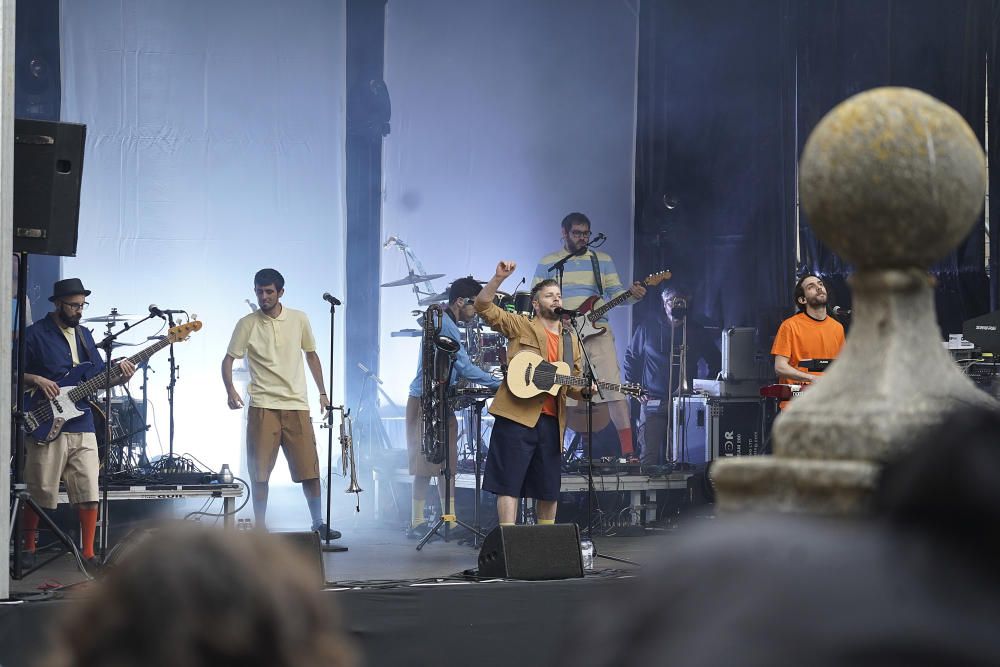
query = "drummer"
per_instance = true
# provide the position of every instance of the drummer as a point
(461, 295)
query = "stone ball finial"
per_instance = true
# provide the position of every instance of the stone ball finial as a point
(892, 178)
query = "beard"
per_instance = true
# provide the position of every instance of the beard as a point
(547, 312)
(816, 301)
(70, 321)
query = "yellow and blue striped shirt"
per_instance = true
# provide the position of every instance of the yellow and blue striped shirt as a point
(578, 279)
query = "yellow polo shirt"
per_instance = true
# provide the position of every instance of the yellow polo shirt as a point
(273, 347)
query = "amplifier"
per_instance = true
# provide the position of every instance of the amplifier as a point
(708, 428)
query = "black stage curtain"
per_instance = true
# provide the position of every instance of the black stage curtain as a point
(728, 94)
(715, 156)
(847, 47)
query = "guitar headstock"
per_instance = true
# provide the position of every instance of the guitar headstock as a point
(634, 390)
(657, 278)
(182, 331)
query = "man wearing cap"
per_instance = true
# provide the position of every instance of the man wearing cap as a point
(53, 346)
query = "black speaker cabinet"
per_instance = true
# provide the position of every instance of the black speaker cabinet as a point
(308, 546)
(48, 171)
(532, 552)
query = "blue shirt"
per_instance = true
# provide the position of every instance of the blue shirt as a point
(463, 366)
(47, 354)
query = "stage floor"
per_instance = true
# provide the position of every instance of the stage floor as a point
(383, 554)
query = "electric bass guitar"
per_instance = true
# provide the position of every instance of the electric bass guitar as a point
(528, 374)
(592, 326)
(45, 417)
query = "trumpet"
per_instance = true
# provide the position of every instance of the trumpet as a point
(348, 458)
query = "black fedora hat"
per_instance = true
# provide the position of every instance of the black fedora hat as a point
(68, 287)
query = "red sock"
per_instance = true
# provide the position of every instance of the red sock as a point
(29, 528)
(88, 527)
(625, 435)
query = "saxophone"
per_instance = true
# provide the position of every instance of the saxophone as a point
(435, 367)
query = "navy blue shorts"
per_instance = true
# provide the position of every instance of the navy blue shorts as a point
(524, 462)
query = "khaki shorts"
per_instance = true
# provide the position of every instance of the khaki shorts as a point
(71, 457)
(292, 431)
(418, 463)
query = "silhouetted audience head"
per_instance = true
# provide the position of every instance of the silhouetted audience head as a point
(201, 598)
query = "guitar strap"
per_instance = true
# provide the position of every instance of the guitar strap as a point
(597, 273)
(567, 348)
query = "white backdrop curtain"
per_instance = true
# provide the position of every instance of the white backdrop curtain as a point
(506, 116)
(215, 147)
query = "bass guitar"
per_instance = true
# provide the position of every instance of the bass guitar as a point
(528, 374)
(45, 417)
(593, 314)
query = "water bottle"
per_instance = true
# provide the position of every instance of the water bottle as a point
(226, 475)
(587, 553)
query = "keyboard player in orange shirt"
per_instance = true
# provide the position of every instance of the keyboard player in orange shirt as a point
(810, 339)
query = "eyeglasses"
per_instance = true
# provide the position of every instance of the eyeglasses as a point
(580, 235)
(76, 306)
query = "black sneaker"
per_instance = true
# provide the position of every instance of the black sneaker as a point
(94, 566)
(417, 532)
(326, 533)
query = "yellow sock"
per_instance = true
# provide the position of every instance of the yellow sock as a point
(451, 510)
(417, 517)
(506, 524)
(546, 522)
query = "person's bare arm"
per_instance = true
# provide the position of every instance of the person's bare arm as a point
(786, 370)
(316, 368)
(234, 399)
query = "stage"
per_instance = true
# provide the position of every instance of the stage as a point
(389, 596)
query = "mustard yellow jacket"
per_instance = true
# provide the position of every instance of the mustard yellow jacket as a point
(528, 334)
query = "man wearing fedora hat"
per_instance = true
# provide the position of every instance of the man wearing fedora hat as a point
(53, 346)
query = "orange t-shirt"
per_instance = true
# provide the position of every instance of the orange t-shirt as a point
(802, 337)
(552, 354)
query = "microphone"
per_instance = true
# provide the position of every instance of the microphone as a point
(563, 312)
(334, 301)
(162, 314)
(600, 237)
(389, 241)
(840, 312)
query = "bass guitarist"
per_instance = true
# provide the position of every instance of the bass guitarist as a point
(593, 273)
(53, 346)
(525, 454)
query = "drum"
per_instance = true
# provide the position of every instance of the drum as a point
(493, 350)
(522, 304)
(503, 300)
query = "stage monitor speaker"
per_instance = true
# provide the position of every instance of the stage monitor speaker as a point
(532, 552)
(48, 171)
(308, 546)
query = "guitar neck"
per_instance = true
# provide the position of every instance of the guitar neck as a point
(600, 312)
(575, 381)
(96, 383)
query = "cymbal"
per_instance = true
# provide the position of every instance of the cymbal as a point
(433, 298)
(113, 317)
(412, 279)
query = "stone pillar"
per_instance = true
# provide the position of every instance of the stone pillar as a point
(892, 180)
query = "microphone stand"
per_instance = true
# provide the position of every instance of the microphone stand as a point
(102, 479)
(329, 444)
(588, 373)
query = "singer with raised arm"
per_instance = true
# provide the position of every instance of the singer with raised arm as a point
(525, 456)
(54, 346)
(587, 273)
(807, 341)
(273, 339)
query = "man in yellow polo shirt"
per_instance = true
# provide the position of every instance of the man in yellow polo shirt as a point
(273, 340)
